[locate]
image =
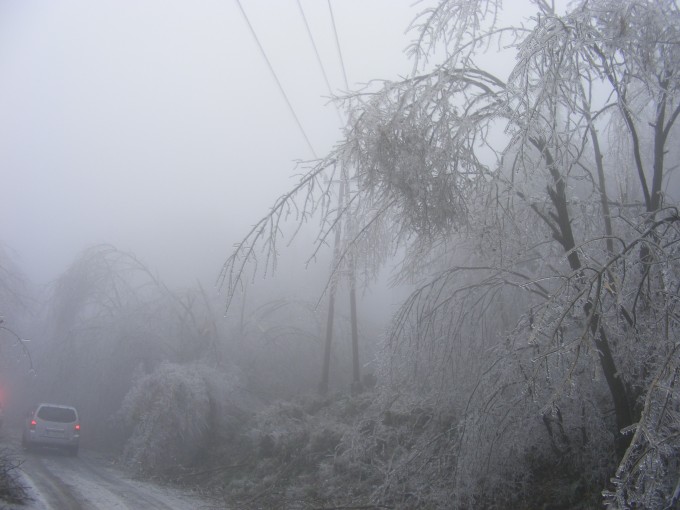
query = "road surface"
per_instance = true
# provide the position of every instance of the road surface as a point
(90, 481)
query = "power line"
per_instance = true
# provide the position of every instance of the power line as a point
(276, 79)
(318, 59)
(337, 45)
(316, 51)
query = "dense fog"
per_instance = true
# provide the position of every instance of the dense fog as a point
(157, 132)
(159, 128)
(358, 254)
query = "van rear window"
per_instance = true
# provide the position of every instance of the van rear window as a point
(57, 414)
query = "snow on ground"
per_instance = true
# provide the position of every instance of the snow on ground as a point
(56, 482)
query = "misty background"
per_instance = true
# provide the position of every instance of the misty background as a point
(158, 127)
(139, 142)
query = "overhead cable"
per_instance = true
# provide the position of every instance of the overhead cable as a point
(318, 59)
(276, 79)
(337, 45)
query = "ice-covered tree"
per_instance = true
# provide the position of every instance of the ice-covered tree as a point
(110, 319)
(17, 306)
(534, 196)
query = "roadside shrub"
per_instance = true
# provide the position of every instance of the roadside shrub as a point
(341, 451)
(173, 416)
(11, 488)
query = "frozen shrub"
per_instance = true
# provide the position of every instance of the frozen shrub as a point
(337, 451)
(12, 489)
(173, 414)
(282, 431)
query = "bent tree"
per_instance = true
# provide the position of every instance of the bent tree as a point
(110, 321)
(534, 196)
(15, 313)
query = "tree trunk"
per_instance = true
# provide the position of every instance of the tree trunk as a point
(565, 236)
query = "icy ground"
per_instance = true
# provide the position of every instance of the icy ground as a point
(91, 481)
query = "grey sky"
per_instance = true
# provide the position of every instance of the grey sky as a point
(155, 125)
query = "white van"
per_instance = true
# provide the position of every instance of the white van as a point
(52, 425)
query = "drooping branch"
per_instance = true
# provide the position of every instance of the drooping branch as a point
(21, 342)
(266, 232)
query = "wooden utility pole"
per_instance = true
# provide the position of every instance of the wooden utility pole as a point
(356, 370)
(325, 373)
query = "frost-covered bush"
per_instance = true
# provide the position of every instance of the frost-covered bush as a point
(12, 489)
(174, 414)
(344, 451)
(295, 448)
(400, 451)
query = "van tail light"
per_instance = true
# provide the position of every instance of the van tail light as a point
(76, 427)
(33, 424)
